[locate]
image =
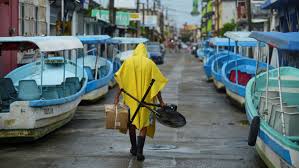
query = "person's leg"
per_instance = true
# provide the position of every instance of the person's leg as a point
(140, 144)
(132, 133)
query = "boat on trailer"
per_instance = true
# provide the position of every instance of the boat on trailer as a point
(237, 73)
(99, 70)
(271, 103)
(39, 97)
(219, 44)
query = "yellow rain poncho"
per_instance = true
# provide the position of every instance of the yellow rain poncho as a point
(134, 76)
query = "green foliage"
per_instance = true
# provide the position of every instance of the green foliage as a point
(228, 27)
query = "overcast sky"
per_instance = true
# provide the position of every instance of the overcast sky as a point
(182, 15)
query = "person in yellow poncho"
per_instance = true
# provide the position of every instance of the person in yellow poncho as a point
(134, 76)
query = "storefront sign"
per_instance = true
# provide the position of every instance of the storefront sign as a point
(125, 4)
(100, 14)
(151, 21)
(135, 17)
(122, 18)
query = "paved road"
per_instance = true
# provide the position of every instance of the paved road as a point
(215, 135)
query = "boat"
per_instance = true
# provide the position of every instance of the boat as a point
(207, 52)
(41, 96)
(200, 51)
(271, 103)
(237, 73)
(216, 67)
(218, 43)
(99, 70)
(124, 47)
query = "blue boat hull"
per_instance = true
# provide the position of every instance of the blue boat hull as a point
(216, 67)
(236, 91)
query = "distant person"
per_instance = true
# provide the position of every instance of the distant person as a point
(180, 46)
(134, 76)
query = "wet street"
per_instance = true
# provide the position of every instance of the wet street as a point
(215, 135)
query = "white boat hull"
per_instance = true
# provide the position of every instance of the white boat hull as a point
(32, 123)
(112, 83)
(96, 94)
(271, 158)
(235, 97)
(218, 84)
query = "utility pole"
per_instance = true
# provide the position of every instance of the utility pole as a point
(249, 17)
(162, 24)
(143, 14)
(207, 34)
(147, 7)
(153, 13)
(218, 17)
(154, 7)
(111, 14)
(249, 20)
(166, 13)
(62, 17)
(138, 22)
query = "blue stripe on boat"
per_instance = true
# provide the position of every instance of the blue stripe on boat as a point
(277, 148)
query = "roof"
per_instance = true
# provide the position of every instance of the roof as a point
(242, 38)
(269, 4)
(43, 43)
(93, 39)
(127, 40)
(216, 41)
(277, 4)
(285, 41)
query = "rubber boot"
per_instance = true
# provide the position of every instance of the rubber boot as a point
(132, 134)
(140, 145)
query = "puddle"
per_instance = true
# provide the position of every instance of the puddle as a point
(160, 147)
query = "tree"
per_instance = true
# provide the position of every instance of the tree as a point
(228, 27)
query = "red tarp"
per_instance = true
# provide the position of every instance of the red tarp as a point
(243, 77)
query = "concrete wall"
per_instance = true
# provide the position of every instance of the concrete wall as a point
(227, 12)
(9, 12)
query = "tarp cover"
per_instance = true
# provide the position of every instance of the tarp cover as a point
(279, 4)
(285, 41)
(216, 41)
(127, 40)
(242, 38)
(43, 43)
(93, 39)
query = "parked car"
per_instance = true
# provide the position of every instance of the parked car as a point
(155, 52)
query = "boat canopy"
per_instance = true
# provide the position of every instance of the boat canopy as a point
(93, 39)
(216, 41)
(127, 40)
(277, 4)
(43, 43)
(242, 38)
(285, 41)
